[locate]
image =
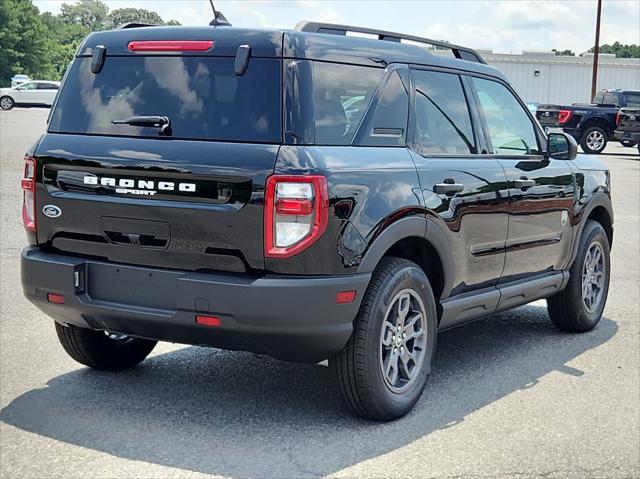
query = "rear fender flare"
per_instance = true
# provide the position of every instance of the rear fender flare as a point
(599, 199)
(419, 227)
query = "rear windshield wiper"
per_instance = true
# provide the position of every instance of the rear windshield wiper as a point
(161, 122)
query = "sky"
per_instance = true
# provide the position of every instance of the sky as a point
(501, 26)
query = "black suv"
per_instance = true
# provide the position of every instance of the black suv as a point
(304, 194)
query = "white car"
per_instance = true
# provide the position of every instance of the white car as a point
(32, 93)
(18, 79)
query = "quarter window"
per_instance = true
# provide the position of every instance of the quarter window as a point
(442, 120)
(510, 128)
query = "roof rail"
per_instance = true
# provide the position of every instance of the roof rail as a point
(463, 53)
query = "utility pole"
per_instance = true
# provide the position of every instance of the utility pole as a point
(596, 49)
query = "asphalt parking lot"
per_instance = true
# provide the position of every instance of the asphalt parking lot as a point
(510, 395)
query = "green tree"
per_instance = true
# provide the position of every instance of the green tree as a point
(63, 40)
(620, 50)
(88, 13)
(138, 15)
(23, 41)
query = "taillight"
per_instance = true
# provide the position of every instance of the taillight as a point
(564, 116)
(29, 194)
(618, 118)
(296, 213)
(170, 45)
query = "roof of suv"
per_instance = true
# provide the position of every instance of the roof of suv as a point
(287, 44)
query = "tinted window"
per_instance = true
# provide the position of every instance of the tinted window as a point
(341, 94)
(388, 125)
(442, 121)
(633, 99)
(202, 97)
(47, 86)
(510, 128)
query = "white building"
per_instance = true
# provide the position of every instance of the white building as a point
(543, 77)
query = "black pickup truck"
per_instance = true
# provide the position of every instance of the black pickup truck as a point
(628, 126)
(303, 194)
(592, 125)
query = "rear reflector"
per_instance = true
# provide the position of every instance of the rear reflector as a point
(170, 45)
(208, 320)
(55, 298)
(28, 185)
(345, 297)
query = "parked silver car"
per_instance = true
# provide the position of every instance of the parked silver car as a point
(32, 93)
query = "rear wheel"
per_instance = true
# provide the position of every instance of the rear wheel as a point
(579, 307)
(384, 367)
(7, 103)
(628, 143)
(103, 350)
(593, 140)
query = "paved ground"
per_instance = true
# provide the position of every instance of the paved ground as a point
(510, 395)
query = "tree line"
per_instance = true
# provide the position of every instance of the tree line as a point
(41, 45)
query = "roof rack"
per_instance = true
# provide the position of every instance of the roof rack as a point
(462, 53)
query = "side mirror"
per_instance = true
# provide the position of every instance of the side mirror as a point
(561, 146)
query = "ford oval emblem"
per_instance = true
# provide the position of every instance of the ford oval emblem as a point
(52, 211)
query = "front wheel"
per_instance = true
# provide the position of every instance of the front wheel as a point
(593, 140)
(578, 308)
(384, 367)
(629, 143)
(7, 103)
(103, 350)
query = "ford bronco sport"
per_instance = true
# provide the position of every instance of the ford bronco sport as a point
(305, 194)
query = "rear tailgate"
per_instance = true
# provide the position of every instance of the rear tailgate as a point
(547, 115)
(189, 196)
(629, 119)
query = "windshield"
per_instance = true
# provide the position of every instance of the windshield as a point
(201, 96)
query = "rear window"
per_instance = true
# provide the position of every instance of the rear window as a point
(201, 96)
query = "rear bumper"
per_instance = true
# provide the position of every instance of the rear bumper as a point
(627, 135)
(291, 318)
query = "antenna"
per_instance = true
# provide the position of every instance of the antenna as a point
(219, 19)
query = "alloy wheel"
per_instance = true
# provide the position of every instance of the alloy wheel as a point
(403, 340)
(593, 277)
(595, 140)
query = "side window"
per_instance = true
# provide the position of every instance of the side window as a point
(633, 99)
(341, 94)
(387, 126)
(510, 128)
(442, 119)
(47, 86)
(26, 86)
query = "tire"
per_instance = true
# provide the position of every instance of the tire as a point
(628, 143)
(365, 381)
(569, 310)
(101, 351)
(593, 140)
(7, 103)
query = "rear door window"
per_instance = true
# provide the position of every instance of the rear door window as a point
(201, 96)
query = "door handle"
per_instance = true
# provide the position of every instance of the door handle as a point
(448, 188)
(524, 183)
